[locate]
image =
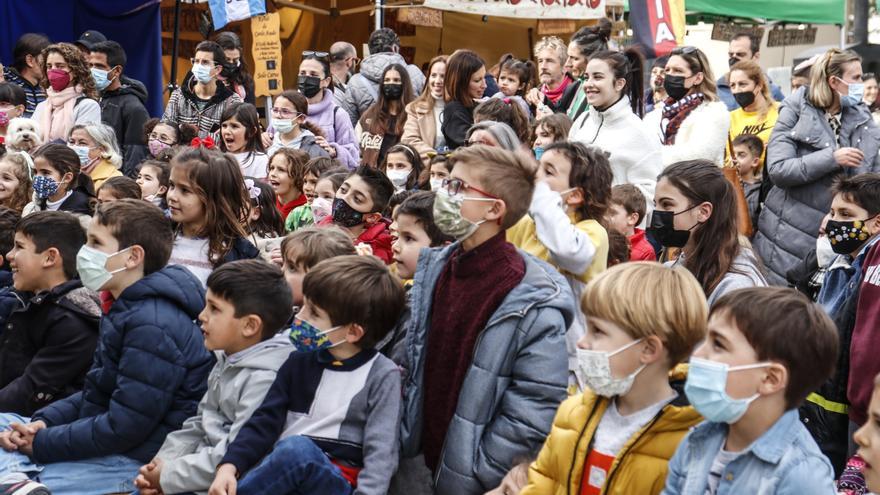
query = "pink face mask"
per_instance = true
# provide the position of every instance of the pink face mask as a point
(58, 79)
(4, 119)
(157, 146)
(321, 209)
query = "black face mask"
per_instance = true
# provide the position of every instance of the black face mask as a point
(393, 91)
(847, 237)
(230, 71)
(662, 228)
(309, 86)
(732, 61)
(744, 99)
(674, 86)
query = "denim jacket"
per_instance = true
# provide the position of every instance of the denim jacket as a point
(842, 280)
(785, 460)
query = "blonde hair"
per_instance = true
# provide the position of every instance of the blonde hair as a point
(830, 64)
(646, 298)
(755, 74)
(698, 62)
(507, 175)
(22, 170)
(553, 43)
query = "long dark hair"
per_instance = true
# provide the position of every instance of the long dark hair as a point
(459, 69)
(230, 41)
(64, 160)
(418, 176)
(375, 120)
(270, 223)
(591, 39)
(714, 245)
(246, 114)
(629, 66)
(217, 181)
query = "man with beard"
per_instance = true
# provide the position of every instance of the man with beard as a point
(556, 89)
(743, 46)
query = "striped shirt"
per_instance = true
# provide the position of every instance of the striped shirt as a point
(34, 93)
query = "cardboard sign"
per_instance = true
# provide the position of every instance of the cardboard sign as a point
(266, 50)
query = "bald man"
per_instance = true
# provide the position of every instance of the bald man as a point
(343, 62)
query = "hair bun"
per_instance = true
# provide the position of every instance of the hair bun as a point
(603, 29)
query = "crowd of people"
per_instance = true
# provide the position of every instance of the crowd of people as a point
(532, 277)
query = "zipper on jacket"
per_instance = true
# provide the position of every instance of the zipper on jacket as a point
(628, 448)
(580, 435)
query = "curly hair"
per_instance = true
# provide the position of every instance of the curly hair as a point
(590, 171)
(80, 75)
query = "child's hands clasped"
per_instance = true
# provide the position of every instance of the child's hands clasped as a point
(147, 481)
(225, 482)
(20, 437)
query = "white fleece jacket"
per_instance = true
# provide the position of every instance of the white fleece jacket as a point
(702, 135)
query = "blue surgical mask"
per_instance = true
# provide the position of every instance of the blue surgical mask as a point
(307, 337)
(100, 77)
(856, 92)
(706, 389)
(91, 265)
(202, 73)
(82, 152)
(283, 126)
(538, 152)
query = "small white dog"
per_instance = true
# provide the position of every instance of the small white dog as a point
(23, 135)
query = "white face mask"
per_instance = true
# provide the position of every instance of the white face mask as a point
(594, 370)
(398, 178)
(824, 252)
(436, 184)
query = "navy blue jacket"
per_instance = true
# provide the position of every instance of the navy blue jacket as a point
(242, 249)
(149, 374)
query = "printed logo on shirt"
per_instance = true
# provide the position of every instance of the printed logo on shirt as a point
(371, 141)
(872, 275)
(756, 129)
(595, 472)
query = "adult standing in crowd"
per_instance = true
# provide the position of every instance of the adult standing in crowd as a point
(363, 87)
(71, 97)
(26, 71)
(585, 42)
(613, 85)
(743, 46)
(343, 65)
(464, 83)
(556, 88)
(823, 131)
(382, 124)
(692, 123)
(423, 130)
(757, 112)
(122, 105)
(657, 94)
(200, 100)
(234, 73)
(315, 82)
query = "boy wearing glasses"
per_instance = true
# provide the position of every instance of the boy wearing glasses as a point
(487, 332)
(200, 101)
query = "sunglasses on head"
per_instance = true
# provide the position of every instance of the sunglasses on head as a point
(312, 53)
(684, 50)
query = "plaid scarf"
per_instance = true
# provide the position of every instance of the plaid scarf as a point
(675, 113)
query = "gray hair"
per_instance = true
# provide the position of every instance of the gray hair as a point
(105, 138)
(502, 133)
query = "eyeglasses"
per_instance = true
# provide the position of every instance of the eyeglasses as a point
(312, 53)
(458, 186)
(285, 112)
(206, 63)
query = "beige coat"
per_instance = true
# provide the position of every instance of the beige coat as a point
(420, 129)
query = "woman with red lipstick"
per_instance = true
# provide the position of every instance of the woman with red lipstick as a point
(71, 96)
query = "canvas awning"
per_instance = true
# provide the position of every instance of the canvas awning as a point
(802, 11)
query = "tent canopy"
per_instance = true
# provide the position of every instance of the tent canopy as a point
(805, 11)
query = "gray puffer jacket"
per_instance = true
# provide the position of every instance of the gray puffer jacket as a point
(517, 378)
(801, 165)
(363, 87)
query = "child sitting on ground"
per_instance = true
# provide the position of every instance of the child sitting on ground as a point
(625, 211)
(752, 440)
(551, 129)
(148, 373)
(329, 422)
(618, 435)
(305, 248)
(358, 208)
(116, 188)
(247, 302)
(484, 370)
(301, 216)
(51, 321)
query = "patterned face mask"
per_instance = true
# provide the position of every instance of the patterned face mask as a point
(45, 186)
(344, 215)
(307, 337)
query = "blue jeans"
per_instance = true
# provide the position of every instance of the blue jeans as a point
(295, 466)
(109, 474)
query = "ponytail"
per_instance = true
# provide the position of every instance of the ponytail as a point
(629, 66)
(829, 65)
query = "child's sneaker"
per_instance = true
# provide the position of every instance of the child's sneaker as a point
(19, 484)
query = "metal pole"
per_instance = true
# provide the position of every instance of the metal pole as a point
(172, 83)
(380, 15)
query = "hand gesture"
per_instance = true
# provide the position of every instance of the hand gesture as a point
(849, 157)
(225, 482)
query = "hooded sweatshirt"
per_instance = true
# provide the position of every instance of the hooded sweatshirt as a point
(236, 387)
(363, 87)
(184, 107)
(124, 110)
(338, 129)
